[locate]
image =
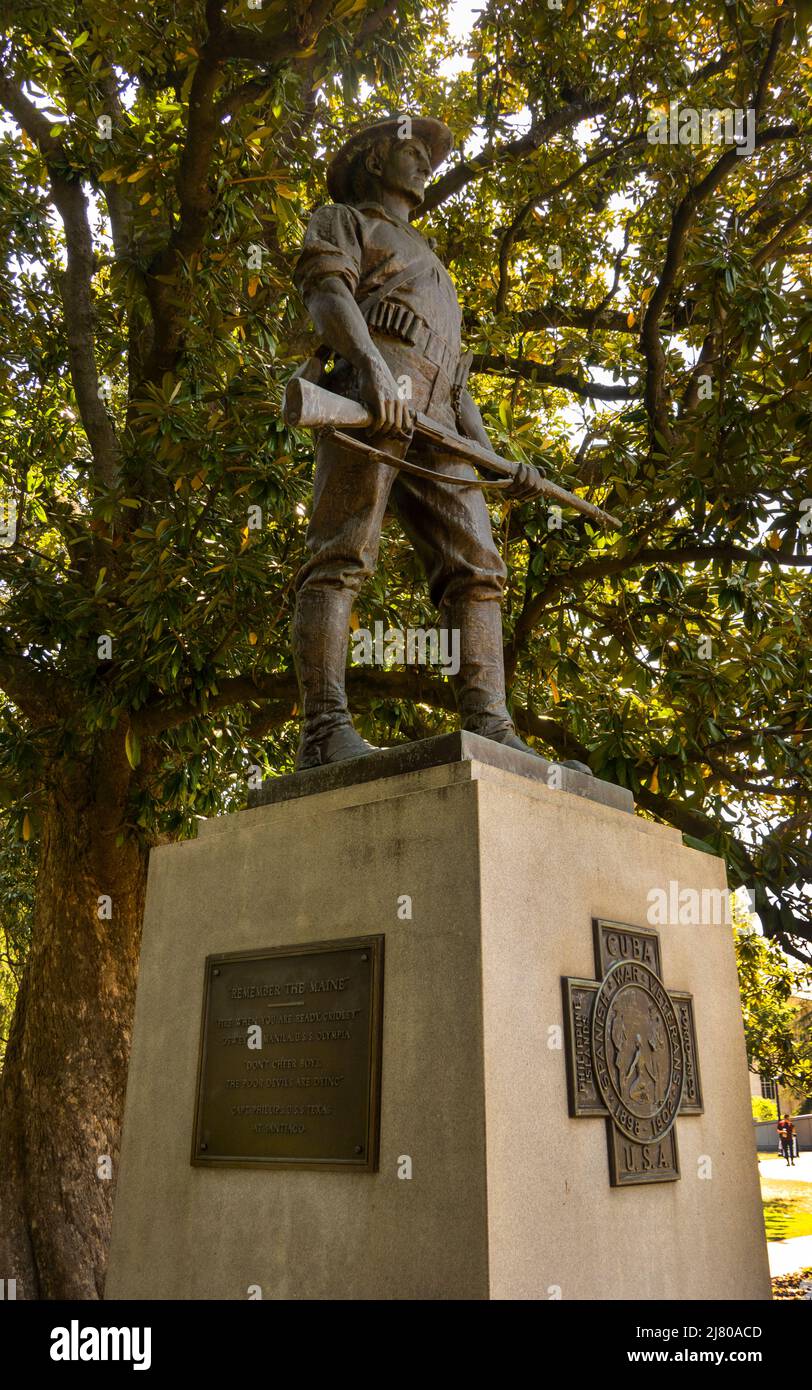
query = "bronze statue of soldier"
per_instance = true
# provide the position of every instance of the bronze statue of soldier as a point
(386, 307)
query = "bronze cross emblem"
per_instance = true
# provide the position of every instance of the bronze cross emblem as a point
(632, 1054)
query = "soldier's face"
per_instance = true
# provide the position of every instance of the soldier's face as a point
(406, 168)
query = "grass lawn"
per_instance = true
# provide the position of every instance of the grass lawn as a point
(787, 1208)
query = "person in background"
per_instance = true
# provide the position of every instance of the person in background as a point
(786, 1133)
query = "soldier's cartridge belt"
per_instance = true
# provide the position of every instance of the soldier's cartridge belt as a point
(396, 321)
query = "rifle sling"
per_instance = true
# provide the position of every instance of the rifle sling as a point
(374, 455)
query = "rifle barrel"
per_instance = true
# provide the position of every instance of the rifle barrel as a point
(476, 453)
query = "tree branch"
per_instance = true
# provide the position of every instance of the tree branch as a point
(40, 694)
(512, 231)
(542, 130)
(572, 316)
(77, 281)
(194, 195)
(681, 223)
(607, 566)
(550, 376)
(776, 242)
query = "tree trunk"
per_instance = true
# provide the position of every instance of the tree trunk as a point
(62, 1086)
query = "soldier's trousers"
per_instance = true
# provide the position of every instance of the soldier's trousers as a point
(448, 525)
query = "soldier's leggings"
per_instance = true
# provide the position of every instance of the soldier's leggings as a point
(448, 525)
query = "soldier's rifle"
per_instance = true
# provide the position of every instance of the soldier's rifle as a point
(308, 406)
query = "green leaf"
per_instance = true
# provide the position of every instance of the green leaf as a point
(132, 748)
(702, 845)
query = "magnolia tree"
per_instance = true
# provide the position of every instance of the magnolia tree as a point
(626, 217)
(777, 1032)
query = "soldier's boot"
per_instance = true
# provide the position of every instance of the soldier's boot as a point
(479, 686)
(321, 625)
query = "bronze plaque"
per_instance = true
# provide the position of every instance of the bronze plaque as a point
(290, 1057)
(631, 1164)
(579, 1000)
(637, 1052)
(692, 1090)
(615, 941)
(631, 1053)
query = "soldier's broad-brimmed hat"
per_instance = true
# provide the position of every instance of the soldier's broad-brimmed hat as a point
(433, 133)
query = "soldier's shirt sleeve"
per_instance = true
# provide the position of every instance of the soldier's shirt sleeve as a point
(332, 246)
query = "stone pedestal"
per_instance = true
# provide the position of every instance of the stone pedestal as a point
(509, 1196)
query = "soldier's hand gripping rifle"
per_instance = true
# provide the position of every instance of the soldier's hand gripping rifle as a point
(308, 406)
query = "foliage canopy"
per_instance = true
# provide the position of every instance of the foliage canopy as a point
(641, 325)
(777, 1031)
